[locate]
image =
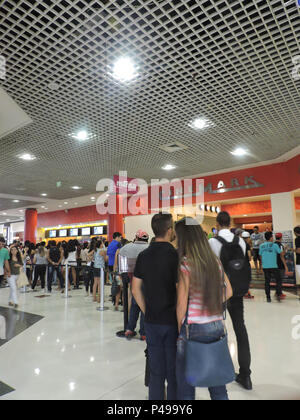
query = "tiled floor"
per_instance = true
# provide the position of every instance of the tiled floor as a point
(73, 353)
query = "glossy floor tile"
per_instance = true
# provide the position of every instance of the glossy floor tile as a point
(72, 352)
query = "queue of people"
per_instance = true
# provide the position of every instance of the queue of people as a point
(179, 288)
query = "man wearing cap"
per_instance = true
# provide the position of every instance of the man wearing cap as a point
(4, 258)
(128, 256)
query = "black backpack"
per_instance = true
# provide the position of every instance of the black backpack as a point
(54, 254)
(235, 265)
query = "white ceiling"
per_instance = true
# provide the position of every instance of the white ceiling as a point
(229, 61)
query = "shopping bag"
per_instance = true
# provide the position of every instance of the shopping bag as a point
(22, 280)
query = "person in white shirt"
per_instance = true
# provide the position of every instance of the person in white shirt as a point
(235, 304)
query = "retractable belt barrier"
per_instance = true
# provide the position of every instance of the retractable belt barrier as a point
(67, 266)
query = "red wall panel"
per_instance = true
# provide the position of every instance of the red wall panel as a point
(78, 215)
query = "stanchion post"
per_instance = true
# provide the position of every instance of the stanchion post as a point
(24, 268)
(67, 282)
(101, 291)
(46, 279)
(125, 280)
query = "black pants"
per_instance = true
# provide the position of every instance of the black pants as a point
(236, 311)
(51, 270)
(89, 279)
(39, 271)
(271, 273)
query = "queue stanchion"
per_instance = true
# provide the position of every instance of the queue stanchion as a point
(101, 291)
(46, 279)
(125, 281)
(66, 296)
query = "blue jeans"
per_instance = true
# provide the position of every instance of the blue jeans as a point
(134, 316)
(51, 270)
(161, 344)
(204, 333)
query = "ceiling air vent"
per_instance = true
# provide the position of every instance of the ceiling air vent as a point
(173, 147)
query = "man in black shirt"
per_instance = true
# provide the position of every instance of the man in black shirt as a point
(280, 264)
(297, 251)
(154, 288)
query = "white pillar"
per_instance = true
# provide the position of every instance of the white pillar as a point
(284, 214)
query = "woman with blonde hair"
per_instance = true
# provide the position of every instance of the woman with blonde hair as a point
(200, 300)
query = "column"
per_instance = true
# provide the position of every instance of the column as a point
(284, 214)
(30, 230)
(116, 221)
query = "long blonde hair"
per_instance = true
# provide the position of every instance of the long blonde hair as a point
(205, 274)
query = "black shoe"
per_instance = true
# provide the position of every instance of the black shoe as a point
(269, 300)
(244, 382)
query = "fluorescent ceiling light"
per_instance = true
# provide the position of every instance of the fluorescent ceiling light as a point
(27, 156)
(168, 167)
(44, 195)
(16, 201)
(65, 202)
(76, 187)
(124, 70)
(239, 152)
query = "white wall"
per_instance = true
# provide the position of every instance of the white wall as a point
(298, 218)
(17, 227)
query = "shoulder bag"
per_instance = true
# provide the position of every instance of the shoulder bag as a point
(208, 364)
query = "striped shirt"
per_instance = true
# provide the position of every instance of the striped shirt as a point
(197, 314)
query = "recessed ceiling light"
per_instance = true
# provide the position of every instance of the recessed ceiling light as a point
(16, 201)
(42, 207)
(65, 202)
(75, 204)
(93, 198)
(168, 167)
(239, 152)
(124, 70)
(27, 156)
(81, 135)
(76, 187)
(60, 206)
(4, 214)
(200, 123)
(44, 195)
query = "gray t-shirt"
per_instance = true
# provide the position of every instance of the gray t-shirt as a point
(128, 255)
(41, 260)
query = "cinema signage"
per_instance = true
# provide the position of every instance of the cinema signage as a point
(233, 185)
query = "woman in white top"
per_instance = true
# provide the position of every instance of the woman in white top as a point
(71, 260)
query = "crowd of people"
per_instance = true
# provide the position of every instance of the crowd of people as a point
(180, 285)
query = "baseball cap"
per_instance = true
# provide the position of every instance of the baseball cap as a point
(141, 234)
(245, 234)
(278, 235)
